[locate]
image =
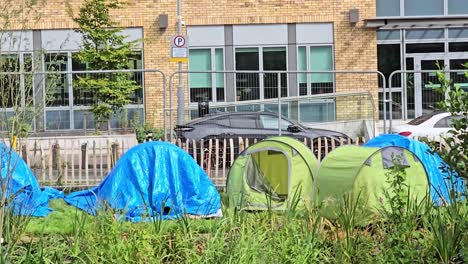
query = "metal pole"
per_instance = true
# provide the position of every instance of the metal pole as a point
(180, 88)
(279, 104)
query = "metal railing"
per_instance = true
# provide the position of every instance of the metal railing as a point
(416, 92)
(237, 88)
(58, 104)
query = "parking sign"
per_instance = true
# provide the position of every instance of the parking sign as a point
(179, 49)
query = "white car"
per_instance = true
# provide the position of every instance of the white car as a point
(432, 126)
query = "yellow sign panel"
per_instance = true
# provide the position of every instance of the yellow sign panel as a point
(178, 59)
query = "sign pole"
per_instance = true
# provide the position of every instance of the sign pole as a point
(180, 87)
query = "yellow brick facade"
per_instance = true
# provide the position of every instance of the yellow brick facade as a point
(354, 45)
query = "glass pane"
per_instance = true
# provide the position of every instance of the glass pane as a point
(388, 35)
(200, 83)
(56, 84)
(321, 59)
(459, 78)
(10, 84)
(430, 85)
(397, 108)
(317, 112)
(458, 33)
(81, 96)
(458, 46)
(28, 78)
(274, 59)
(425, 48)
(247, 84)
(57, 120)
(424, 7)
(302, 66)
(219, 66)
(457, 7)
(425, 34)
(410, 87)
(243, 121)
(274, 108)
(79, 118)
(135, 62)
(388, 8)
(389, 60)
(127, 117)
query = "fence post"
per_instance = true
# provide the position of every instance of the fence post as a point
(279, 104)
(94, 160)
(194, 144)
(319, 148)
(83, 163)
(115, 153)
(24, 153)
(58, 163)
(43, 164)
(224, 162)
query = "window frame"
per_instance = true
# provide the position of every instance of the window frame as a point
(21, 55)
(72, 108)
(445, 11)
(308, 66)
(213, 73)
(260, 68)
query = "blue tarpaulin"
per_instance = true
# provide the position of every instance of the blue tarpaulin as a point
(440, 180)
(23, 191)
(152, 180)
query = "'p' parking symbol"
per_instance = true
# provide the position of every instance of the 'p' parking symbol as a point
(179, 41)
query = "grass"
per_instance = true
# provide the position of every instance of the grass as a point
(69, 235)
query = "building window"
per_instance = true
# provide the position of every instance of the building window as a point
(10, 86)
(255, 86)
(389, 60)
(315, 59)
(425, 48)
(57, 92)
(388, 8)
(424, 7)
(457, 7)
(425, 34)
(274, 59)
(320, 111)
(210, 85)
(247, 84)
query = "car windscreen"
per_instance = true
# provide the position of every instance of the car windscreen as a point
(421, 119)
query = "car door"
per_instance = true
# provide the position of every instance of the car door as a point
(269, 125)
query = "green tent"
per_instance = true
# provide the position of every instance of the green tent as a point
(361, 172)
(276, 173)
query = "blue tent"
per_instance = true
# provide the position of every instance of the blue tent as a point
(26, 196)
(441, 182)
(152, 180)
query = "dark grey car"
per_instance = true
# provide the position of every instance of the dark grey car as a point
(258, 125)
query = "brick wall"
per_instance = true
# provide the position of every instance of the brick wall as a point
(355, 46)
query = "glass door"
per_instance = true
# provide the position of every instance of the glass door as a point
(459, 78)
(426, 84)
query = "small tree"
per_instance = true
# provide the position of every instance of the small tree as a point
(456, 102)
(104, 49)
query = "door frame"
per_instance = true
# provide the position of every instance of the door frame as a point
(417, 58)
